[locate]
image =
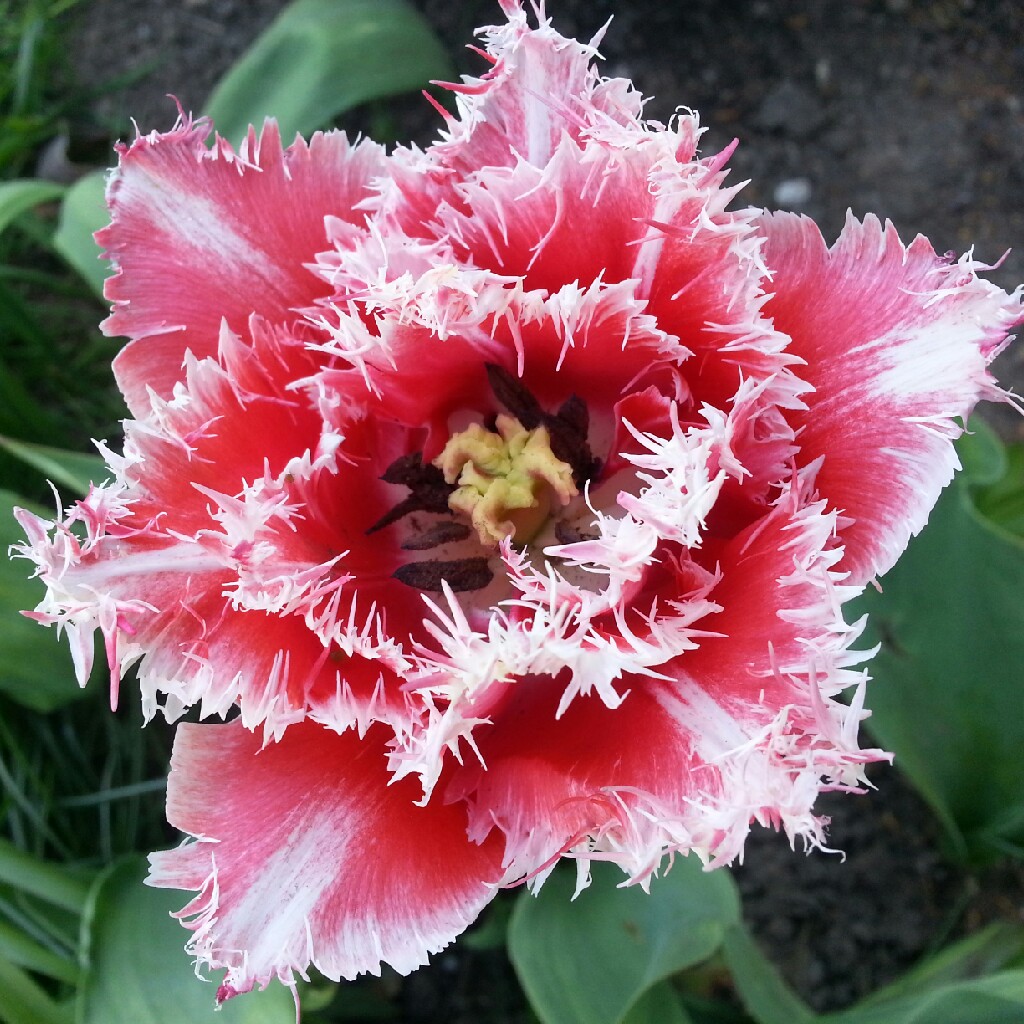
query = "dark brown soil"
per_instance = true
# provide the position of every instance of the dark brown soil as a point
(840, 926)
(911, 109)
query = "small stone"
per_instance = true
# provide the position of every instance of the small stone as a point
(792, 110)
(792, 193)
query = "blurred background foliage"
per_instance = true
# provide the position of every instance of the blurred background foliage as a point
(81, 939)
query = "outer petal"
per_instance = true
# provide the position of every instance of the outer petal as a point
(215, 560)
(896, 340)
(304, 855)
(200, 235)
(540, 88)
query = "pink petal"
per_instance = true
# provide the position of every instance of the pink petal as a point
(216, 436)
(742, 729)
(896, 341)
(199, 235)
(579, 217)
(542, 85)
(305, 855)
(215, 561)
(543, 92)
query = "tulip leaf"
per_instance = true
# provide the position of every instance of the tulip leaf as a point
(765, 994)
(995, 999)
(137, 970)
(24, 1002)
(1002, 500)
(591, 960)
(21, 413)
(18, 196)
(74, 470)
(319, 58)
(658, 1005)
(56, 884)
(952, 987)
(84, 212)
(982, 454)
(992, 949)
(947, 688)
(34, 671)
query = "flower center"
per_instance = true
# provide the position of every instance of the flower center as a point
(507, 481)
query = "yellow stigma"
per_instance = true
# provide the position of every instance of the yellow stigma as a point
(506, 480)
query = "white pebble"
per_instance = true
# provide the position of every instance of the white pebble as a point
(791, 192)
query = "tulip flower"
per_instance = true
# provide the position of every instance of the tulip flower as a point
(502, 499)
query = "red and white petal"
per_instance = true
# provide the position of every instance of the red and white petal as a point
(606, 215)
(203, 234)
(781, 619)
(580, 217)
(575, 784)
(781, 655)
(743, 729)
(428, 363)
(214, 436)
(895, 340)
(541, 87)
(227, 600)
(304, 855)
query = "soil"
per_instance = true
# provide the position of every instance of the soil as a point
(911, 109)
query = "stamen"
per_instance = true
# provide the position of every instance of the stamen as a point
(428, 490)
(567, 428)
(513, 394)
(440, 533)
(460, 574)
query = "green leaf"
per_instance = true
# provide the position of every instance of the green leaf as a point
(590, 960)
(997, 999)
(1002, 500)
(19, 949)
(74, 470)
(322, 57)
(18, 196)
(944, 989)
(982, 953)
(53, 883)
(20, 412)
(35, 670)
(768, 999)
(24, 1002)
(946, 696)
(658, 1005)
(84, 212)
(136, 969)
(982, 454)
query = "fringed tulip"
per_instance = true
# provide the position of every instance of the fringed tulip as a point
(504, 496)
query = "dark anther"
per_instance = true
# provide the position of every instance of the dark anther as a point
(512, 393)
(574, 415)
(410, 471)
(441, 533)
(460, 574)
(427, 487)
(567, 428)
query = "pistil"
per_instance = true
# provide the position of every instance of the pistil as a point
(507, 480)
